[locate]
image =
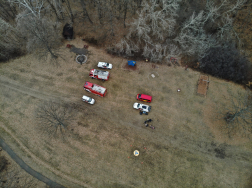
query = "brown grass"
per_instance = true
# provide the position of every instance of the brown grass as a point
(180, 152)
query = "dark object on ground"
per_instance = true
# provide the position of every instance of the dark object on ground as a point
(3, 163)
(85, 46)
(68, 31)
(141, 112)
(149, 120)
(146, 125)
(79, 51)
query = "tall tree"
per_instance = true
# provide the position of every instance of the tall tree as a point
(85, 12)
(42, 35)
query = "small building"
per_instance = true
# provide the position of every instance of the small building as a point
(68, 31)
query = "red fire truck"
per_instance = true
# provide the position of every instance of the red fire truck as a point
(96, 89)
(99, 74)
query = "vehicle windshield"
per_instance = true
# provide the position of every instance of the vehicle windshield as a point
(139, 96)
(144, 107)
(89, 100)
(107, 64)
(138, 105)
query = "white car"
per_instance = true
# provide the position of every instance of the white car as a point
(88, 99)
(104, 65)
(142, 107)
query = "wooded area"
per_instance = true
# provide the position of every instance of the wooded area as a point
(152, 29)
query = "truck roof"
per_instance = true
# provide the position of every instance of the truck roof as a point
(95, 87)
(100, 73)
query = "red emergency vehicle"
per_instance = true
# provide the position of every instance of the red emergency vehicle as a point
(96, 89)
(99, 74)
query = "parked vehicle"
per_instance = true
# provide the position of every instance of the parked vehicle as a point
(99, 74)
(142, 107)
(143, 97)
(96, 89)
(104, 65)
(88, 100)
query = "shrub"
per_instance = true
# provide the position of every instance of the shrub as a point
(3, 163)
(225, 62)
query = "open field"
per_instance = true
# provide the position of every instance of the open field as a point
(187, 148)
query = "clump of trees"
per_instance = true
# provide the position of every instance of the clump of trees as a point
(158, 32)
(225, 62)
(156, 29)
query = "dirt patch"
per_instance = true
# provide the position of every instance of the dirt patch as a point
(128, 67)
(203, 85)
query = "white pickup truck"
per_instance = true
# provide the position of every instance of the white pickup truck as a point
(142, 107)
(104, 65)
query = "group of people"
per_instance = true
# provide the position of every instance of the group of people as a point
(146, 123)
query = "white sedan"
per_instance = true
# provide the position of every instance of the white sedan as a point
(104, 65)
(87, 99)
(142, 107)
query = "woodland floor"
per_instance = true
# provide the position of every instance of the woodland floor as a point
(188, 148)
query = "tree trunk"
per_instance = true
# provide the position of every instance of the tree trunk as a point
(125, 9)
(54, 9)
(83, 4)
(70, 11)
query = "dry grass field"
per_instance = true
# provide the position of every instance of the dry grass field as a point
(188, 148)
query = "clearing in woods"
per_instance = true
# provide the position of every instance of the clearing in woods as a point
(187, 148)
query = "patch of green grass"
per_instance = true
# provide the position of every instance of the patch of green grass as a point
(14, 76)
(22, 70)
(70, 79)
(45, 76)
(166, 89)
(73, 70)
(59, 74)
(141, 72)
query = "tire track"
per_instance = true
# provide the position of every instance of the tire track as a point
(6, 82)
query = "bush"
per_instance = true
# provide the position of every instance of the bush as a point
(3, 163)
(225, 62)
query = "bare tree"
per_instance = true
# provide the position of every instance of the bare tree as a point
(239, 116)
(11, 43)
(54, 118)
(42, 35)
(70, 12)
(30, 7)
(7, 10)
(149, 31)
(85, 12)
